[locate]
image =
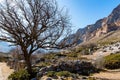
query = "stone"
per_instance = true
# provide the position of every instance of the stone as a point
(50, 68)
(37, 69)
(39, 74)
(48, 79)
(33, 79)
(43, 69)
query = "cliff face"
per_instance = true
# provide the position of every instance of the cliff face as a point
(101, 27)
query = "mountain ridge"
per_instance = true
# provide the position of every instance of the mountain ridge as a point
(100, 27)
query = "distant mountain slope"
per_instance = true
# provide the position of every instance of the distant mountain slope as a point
(106, 39)
(101, 27)
(4, 54)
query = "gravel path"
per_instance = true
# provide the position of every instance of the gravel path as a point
(5, 71)
(1, 76)
(107, 75)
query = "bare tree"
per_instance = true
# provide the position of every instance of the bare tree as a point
(32, 24)
(16, 53)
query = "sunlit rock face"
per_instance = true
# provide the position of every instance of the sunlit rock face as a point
(101, 27)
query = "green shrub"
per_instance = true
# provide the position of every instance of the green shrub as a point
(20, 75)
(51, 73)
(87, 49)
(91, 78)
(3, 59)
(44, 64)
(64, 73)
(60, 55)
(61, 73)
(72, 55)
(112, 61)
(50, 56)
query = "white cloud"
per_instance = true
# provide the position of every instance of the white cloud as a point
(1, 1)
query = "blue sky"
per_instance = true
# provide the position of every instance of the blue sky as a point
(82, 13)
(85, 12)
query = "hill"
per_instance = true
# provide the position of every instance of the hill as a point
(4, 56)
(103, 28)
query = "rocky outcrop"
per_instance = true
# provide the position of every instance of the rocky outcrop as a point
(77, 67)
(101, 27)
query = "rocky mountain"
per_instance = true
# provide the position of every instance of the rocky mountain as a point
(101, 27)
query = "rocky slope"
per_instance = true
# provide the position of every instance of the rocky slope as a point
(101, 27)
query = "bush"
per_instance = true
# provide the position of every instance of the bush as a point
(87, 49)
(50, 56)
(72, 55)
(61, 73)
(20, 75)
(60, 55)
(112, 61)
(51, 73)
(3, 59)
(44, 64)
(64, 73)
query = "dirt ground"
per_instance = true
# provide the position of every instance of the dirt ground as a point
(5, 71)
(108, 75)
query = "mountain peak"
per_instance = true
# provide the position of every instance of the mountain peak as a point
(116, 10)
(101, 27)
(115, 15)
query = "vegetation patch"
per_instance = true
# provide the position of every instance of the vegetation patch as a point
(64, 73)
(74, 55)
(61, 73)
(20, 75)
(112, 61)
(51, 73)
(86, 49)
(3, 59)
(44, 64)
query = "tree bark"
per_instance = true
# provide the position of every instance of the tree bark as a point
(28, 64)
(27, 59)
